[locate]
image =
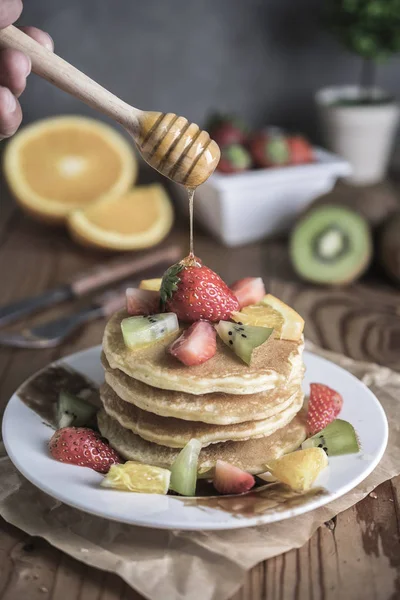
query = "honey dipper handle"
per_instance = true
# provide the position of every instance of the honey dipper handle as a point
(69, 79)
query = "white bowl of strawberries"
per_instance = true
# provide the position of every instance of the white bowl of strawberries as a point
(263, 181)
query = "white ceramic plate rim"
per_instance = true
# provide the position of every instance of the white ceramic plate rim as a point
(37, 466)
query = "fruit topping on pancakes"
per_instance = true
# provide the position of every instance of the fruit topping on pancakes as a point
(141, 331)
(196, 345)
(194, 292)
(142, 302)
(249, 290)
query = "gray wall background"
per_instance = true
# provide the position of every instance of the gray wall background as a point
(263, 59)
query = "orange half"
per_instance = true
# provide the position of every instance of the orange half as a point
(140, 218)
(59, 164)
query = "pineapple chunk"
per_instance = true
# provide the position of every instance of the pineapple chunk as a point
(299, 469)
(152, 285)
(135, 477)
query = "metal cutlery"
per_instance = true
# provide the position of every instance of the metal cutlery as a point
(54, 332)
(89, 281)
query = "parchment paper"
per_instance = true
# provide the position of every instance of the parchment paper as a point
(176, 565)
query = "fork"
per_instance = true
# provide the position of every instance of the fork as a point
(53, 333)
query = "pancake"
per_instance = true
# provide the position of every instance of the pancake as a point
(270, 367)
(251, 455)
(216, 408)
(175, 433)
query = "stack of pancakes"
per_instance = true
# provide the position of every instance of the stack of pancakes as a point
(246, 415)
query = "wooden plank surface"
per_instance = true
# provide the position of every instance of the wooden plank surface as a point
(354, 556)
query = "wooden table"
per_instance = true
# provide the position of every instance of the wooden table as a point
(356, 555)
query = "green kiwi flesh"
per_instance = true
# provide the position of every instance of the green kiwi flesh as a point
(336, 439)
(184, 469)
(73, 411)
(242, 339)
(142, 331)
(331, 245)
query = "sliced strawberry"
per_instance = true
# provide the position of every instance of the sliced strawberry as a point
(324, 406)
(196, 345)
(142, 302)
(229, 479)
(249, 290)
(84, 447)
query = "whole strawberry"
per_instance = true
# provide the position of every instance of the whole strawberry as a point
(234, 159)
(84, 447)
(269, 149)
(324, 406)
(194, 292)
(300, 149)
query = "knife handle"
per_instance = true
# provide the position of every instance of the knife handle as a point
(122, 268)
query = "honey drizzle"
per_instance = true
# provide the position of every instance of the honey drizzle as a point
(191, 259)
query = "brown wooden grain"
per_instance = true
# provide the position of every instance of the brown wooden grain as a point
(354, 556)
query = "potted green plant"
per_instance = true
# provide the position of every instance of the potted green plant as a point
(359, 121)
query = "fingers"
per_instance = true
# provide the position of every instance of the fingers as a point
(10, 113)
(39, 36)
(10, 10)
(14, 69)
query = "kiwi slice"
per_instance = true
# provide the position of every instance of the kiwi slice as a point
(73, 411)
(142, 331)
(242, 338)
(184, 469)
(337, 438)
(331, 245)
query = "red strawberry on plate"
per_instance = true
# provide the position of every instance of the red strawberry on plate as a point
(142, 302)
(324, 406)
(194, 292)
(196, 345)
(229, 479)
(249, 290)
(84, 447)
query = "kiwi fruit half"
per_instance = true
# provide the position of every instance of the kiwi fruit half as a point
(331, 245)
(389, 247)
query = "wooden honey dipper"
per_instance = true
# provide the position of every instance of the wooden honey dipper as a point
(170, 144)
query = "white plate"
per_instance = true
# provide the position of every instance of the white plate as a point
(26, 436)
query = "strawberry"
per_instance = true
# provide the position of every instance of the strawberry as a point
(300, 149)
(226, 130)
(249, 290)
(324, 406)
(196, 345)
(194, 292)
(142, 302)
(84, 447)
(270, 149)
(234, 159)
(229, 479)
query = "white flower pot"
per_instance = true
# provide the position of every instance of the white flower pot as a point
(361, 134)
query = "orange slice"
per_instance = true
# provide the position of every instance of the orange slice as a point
(58, 164)
(138, 219)
(272, 312)
(153, 285)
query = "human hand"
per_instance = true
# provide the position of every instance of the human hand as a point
(15, 66)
